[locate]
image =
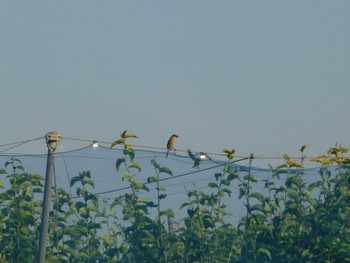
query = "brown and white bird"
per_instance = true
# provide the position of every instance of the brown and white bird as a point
(171, 144)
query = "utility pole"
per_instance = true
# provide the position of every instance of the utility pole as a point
(52, 140)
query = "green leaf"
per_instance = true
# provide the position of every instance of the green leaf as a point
(74, 180)
(7, 163)
(225, 182)
(144, 187)
(228, 191)
(251, 178)
(191, 212)
(129, 152)
(79, 205)
(232, 176)
(152, 179)
(258, 207)
(241, 193)
(258, 196)
(229, 151)
(184, 204)
(265, 252)
(165, 170)
(2, 171)
(136, 184)
(126, 175)
(217, 176)
(135, 165)
(212, 185)
(302, 149)
(168, 212)
(1, 184)
(161, 188)
(130, 135)
(142, 200)
(120, 141)
(129, 147)
(119, 162)
(266, 229)
(305, 253)
(89, 182)
(162, 196)
(155, 164)
(106, 239)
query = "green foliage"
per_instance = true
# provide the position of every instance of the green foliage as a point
(19, 215)
(290, 220)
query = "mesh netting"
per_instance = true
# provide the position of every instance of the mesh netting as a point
(101, 162)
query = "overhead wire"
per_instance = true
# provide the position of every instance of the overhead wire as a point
(168, 178)
(17, 144)
(139, 146)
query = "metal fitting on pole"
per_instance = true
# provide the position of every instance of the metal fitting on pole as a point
(52, 140)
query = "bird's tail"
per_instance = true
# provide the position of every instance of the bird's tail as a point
(167, 152)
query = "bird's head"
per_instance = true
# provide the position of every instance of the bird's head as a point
(175, 136)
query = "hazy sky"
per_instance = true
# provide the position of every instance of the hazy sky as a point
(258, 76)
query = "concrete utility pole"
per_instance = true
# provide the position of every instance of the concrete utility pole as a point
(52, 140)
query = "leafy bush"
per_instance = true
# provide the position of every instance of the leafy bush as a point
(291, 220)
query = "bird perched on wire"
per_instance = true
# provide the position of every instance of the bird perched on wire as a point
(171, 144)
(196, 160)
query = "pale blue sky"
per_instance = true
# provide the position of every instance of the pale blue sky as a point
(258, 76)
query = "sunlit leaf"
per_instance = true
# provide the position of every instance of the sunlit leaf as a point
(251, 178)
(305, 253)
(142, 200)
(168, 212)
(165, 170)
(265, 252)
(129, 147)
(135, 165)
(161, 188)
(129, 152)
(155, 164)
(130, 135)
(117, 142)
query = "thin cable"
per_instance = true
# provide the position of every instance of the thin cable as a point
(136, 145)
(17, 144)
(66, 168)
(169, 178)
(260, 156)
(56, 200)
